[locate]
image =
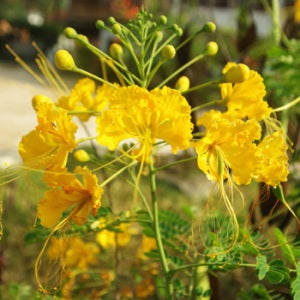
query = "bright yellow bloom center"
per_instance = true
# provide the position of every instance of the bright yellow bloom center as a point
(135, 113)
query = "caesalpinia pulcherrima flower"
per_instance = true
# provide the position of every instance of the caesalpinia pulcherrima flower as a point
(232, 140)
(73, 252)
(245, 99)
(68, 192)
(146, 116)
(85, 97)
(53, 138)
(111, 239)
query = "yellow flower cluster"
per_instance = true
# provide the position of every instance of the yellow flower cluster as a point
(48, 146)
(146, 116)
(233, 144)
(85, 97)
(233, 139)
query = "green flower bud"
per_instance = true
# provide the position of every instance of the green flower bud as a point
(116, 28)
(237, 74)
(209, 27)
(81, 40)
(99, 24)
(81, 155)
(159, 36)
(116, 50)
(111, 20)
(169, 52)
(212, 48)
(39, 99)
(64, 60)
(182, 84)
(177, 29)
(70, 33)
(163, 20)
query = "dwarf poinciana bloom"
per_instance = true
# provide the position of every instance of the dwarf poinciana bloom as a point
(231, 141)
(53, 138)
(273, 163)
(245, 99)
(69, 192)
(85, 97)
(146, 116)
(74, 252)
(235, 145)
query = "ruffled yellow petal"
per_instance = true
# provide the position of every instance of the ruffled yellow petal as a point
(135, 113)
(68, 192)
(245, 99)
(273, 167)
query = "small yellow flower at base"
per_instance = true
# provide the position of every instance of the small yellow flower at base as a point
(82, 198)
(135, 113)
(110, 239)
(53, 138)
(148, 244)
(73, 252)
(85, 97)
(273, 167)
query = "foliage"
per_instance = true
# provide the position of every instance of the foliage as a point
(102, 219)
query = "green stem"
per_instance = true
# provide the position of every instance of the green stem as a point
(117, 173)
(175, 163)
(190, 266)
(220, 102)
(279, 193)
(276, 22)
(192, 61)
(288, 105)
(160, 247)
(85, 73)
(201, 86)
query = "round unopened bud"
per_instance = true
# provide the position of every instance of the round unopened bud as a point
(70, 33)
(209, 27)
(177, 29)
(159, 36)
(212, 48)
(116, 50)
(81, 40)
(169, 52)
(99, 24)
(81, 155)
(111, 20)
(116, 28)
(163, 20)
(37, 99)
(182, 84)
(64, 60)
(237, 74)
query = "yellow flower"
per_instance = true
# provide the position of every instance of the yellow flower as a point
(70, 193)
(245, 99)
(53, 138)
(230, 141)
(85, 97)
(109, 239)
(73, 252)
(145, 116)
(273, 167)
(80, 254)
(148, 244)
(297, 11)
